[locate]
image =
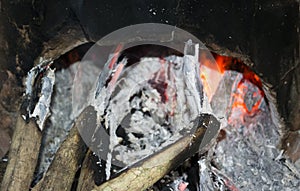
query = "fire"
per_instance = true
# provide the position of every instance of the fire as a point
(212, 70)
(239, 108)
(210, 74)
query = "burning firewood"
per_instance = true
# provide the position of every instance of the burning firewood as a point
(26, 141)
(23, 156)
(87, 174)
(145, 173)
(144, 120)
(61, 173)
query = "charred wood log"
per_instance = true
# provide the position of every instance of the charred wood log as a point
(86, 178)
(145, 173)
(23, 156)
(61, 173)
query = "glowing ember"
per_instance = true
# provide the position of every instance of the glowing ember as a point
(228, 63)
(245, 100)
(248, 88)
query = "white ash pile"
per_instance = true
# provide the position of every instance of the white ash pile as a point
(136, 109)
(145, 106)
(246, 156)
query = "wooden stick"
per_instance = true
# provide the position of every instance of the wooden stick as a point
(61, 173)
(151, 170)
(147, 172)
(86, 179)
(23, 156)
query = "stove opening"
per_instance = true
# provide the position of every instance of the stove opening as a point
(245, 150)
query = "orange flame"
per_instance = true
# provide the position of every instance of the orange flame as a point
(211, 73)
